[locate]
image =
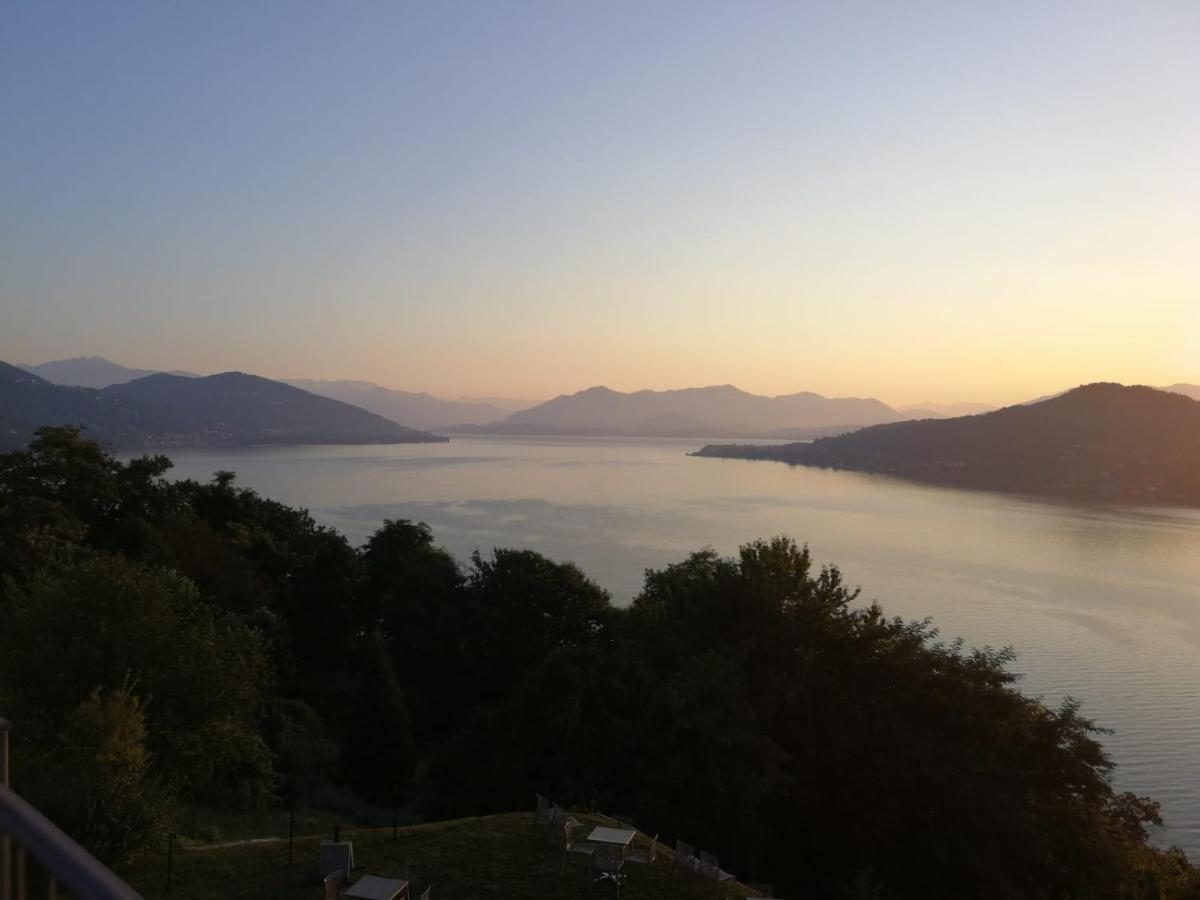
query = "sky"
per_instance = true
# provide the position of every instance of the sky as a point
(959, 201)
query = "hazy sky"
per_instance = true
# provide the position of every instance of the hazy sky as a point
(945, 201)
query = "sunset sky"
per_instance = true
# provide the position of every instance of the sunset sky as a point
(914, 201)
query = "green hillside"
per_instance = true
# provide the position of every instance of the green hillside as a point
(501, 856)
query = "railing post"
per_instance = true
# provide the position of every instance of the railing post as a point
(170, 854)
(5, 839)
(5, 727)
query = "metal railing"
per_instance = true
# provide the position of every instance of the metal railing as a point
(25, 834)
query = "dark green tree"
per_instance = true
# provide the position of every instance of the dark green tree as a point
(104, 622)
(380, 755)
(305, 756)
(522, 607)
(413, 591)
(96, 780)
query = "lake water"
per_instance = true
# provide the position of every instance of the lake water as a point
(1102, 604)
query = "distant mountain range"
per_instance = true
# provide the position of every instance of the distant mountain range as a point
(508, 404)
(1099, 441)
(162, 411)
(91, 371)
(416, 410)
(1188, 390)
(721, 411)
(926, 410)
(691, 412)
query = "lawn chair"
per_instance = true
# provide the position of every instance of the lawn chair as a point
(543, 810)
(644, 857)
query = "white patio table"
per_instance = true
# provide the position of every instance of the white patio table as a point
(373, 887)
(602, 834)
(621, 837)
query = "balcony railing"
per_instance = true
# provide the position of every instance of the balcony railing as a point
(28, 840)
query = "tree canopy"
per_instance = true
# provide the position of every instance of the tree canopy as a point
(175, 642)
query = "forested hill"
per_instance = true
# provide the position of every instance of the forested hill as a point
(175, 411)
(1099, 441)
(28, 401)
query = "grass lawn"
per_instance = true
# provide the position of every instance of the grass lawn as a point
(213, 826)
(503, 856)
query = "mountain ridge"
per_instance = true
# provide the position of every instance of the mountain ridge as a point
(1101, 441)
(929, 410)
(91, 371)
(415, 409)
(714, 410)
(164, 410)
(1187, 390)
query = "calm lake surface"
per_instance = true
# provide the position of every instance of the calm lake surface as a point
(1101, 604)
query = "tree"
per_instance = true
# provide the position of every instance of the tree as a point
(902, 756)
(96, 781)
(380, 753)
(522, 607)
(413, 591)
(304, 754)
(65, 494)
(104, 622)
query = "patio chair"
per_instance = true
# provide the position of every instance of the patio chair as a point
(644, 857)
(427, 893)
(560, 817)
(586, 849)
(543, 810)
(558, 821)
(710, 867)
(335, 857)
(607, 861)
(685, 856)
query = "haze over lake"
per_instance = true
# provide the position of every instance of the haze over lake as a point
(1101, 604)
